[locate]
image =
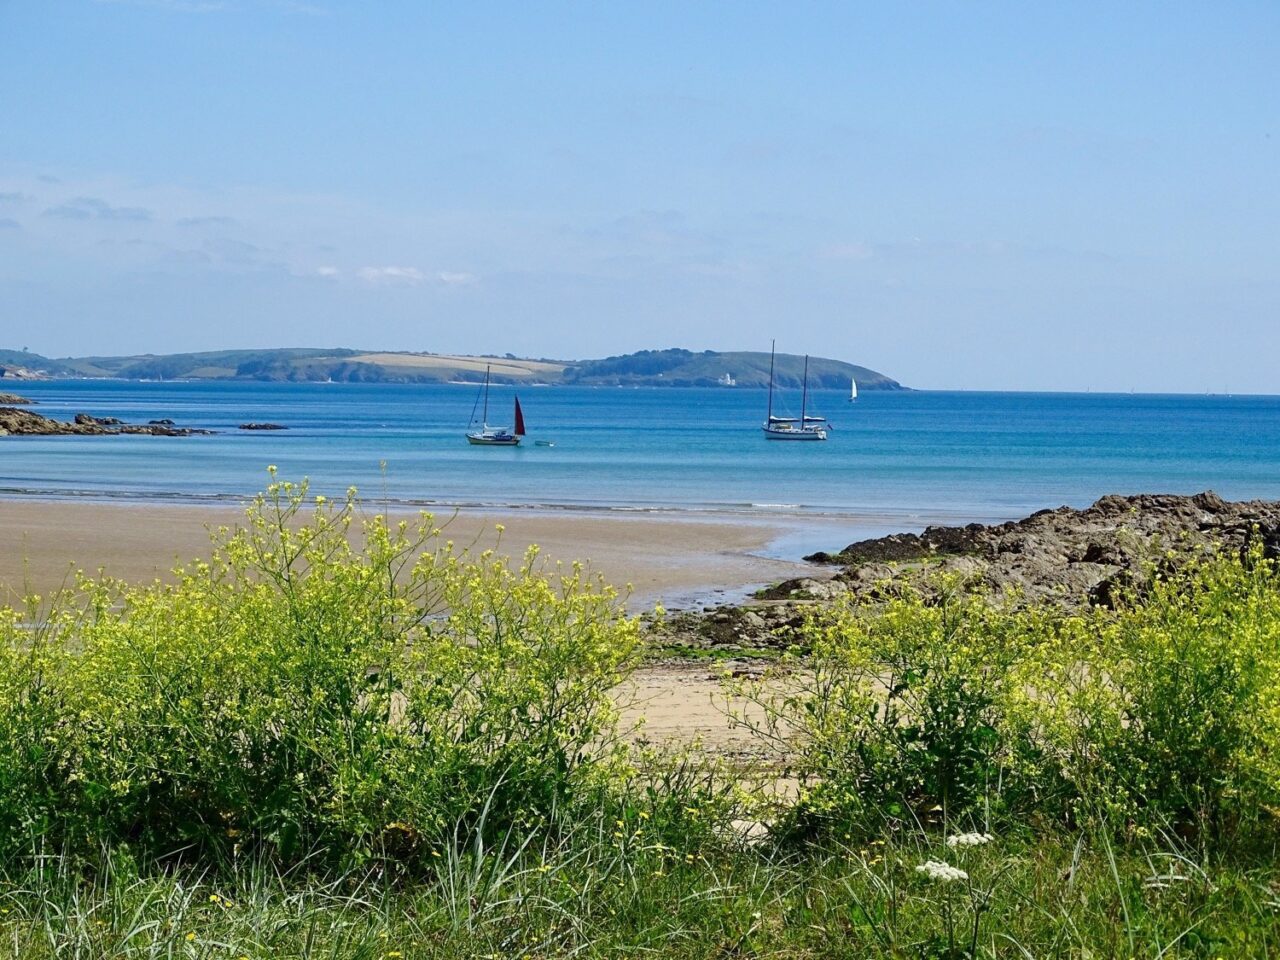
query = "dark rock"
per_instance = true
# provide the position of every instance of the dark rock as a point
(166, 422)
(1265, 536)
(899, 547)
(1104, 551)
(262, 426)
(25, 423)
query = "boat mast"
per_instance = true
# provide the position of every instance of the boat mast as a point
(804, 392)
(773, 345)
(486, 394)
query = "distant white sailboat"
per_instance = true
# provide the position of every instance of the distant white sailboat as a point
(853, 389)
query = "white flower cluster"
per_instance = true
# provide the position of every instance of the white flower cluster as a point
(968, 839)
(942, 872)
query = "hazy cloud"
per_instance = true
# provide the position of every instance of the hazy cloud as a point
(848, 251)
(410, 276)
(95, 208)
(456, 279)
(657, 230)
(206, 221)
(8, 224)
(14, 197)
(234, 251)
(326, 271)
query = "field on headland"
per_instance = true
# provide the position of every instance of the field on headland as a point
(450, 367)
(313, 744)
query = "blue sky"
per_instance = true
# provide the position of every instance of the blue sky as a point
(974, 195)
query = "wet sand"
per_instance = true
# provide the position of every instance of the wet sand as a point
(681, 562)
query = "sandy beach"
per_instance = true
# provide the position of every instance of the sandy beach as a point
(677, 561)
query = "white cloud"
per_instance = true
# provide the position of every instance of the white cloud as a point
(410, 276)
(326, 271)
(454, 279)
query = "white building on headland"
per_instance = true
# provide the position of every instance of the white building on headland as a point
(727, 381)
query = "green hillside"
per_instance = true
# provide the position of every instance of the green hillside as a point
(684, 368)
(674, 367)
(34, 362)
(210, 365)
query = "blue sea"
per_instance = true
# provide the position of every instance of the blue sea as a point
(894, 459)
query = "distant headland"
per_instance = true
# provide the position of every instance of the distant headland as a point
(673, 368)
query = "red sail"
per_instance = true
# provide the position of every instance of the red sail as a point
(519, 431)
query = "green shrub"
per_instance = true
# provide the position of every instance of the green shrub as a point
(314, 696)
(1164, 715)
(897, 711)
(31, 751)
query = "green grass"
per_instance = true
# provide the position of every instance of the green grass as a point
(594, 895)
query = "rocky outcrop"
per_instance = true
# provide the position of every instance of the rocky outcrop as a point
(262, 426)
(13, 400)
(1102, 555)
(1067, 556)
(14, 422)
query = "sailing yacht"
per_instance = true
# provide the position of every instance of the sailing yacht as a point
(488, 436)
(791, 428)
(853, 389)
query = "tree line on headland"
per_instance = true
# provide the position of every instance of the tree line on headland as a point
(672, 367)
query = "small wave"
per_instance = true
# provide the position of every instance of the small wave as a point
(746, 511)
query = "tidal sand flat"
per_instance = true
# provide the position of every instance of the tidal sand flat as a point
(676, 561)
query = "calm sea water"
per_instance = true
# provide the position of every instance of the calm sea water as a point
(905, 458)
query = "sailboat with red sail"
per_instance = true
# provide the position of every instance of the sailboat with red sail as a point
(487, 436)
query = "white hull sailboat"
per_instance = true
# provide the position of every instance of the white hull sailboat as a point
(853, 389)
(488, 436)
(791, 428)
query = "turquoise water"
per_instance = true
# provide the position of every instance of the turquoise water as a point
(906, 458)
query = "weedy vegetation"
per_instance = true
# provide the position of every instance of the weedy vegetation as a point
(342, 736)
